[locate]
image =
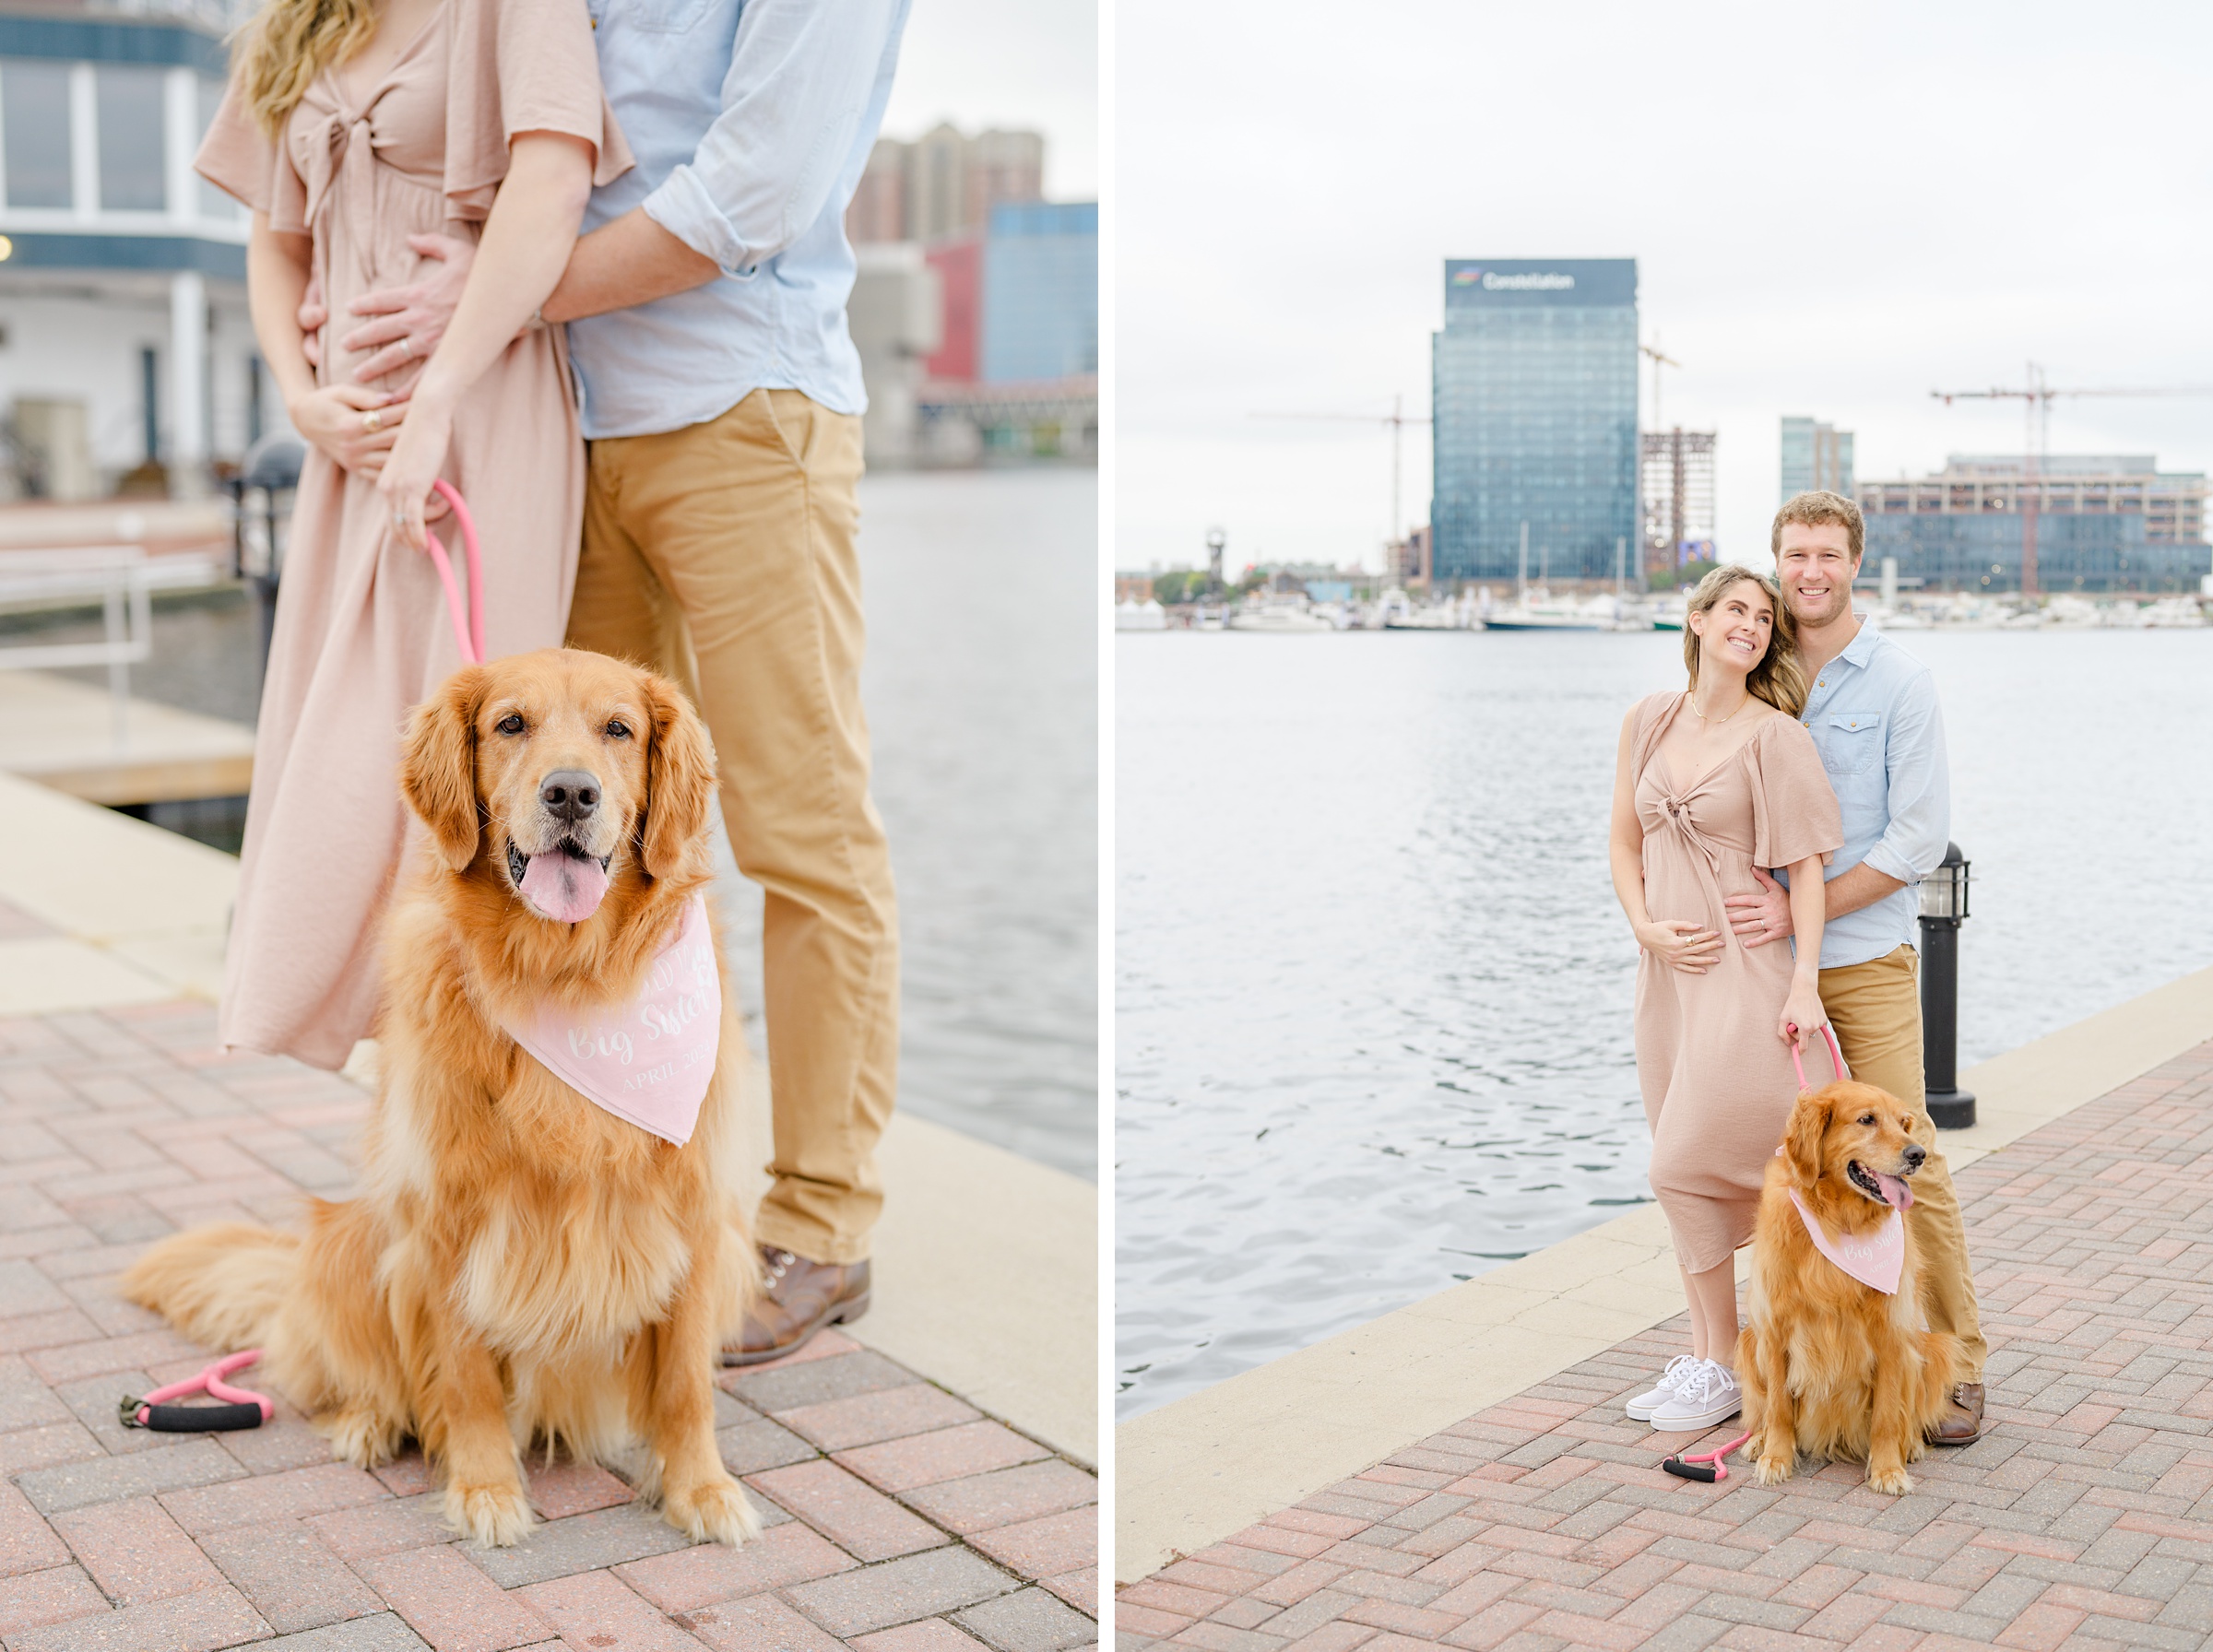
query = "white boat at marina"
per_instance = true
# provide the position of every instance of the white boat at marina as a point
(2176, 612)
(1283, 618)
(1539, 610)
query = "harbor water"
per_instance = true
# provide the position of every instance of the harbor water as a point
(1373, 989)
(981, 687)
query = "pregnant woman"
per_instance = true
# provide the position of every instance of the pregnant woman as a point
(1710, 783)
(350, 127)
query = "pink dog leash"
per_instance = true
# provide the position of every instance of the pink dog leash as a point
(469, 621)
(1835, 1054)
(1707, 1465)
(242, 1409)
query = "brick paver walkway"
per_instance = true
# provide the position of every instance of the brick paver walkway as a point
(2082, 1520)
(902, 1520)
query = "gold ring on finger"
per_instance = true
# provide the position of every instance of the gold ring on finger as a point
(373, 422)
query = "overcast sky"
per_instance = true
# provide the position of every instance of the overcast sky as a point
(1834, 210)
(1030, 63)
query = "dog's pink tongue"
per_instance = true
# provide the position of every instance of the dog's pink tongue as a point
(1895, 1194)
(564, 887)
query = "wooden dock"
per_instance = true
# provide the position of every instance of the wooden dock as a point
(67, 735)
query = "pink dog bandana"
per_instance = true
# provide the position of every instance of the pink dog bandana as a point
(1876, 1260)
(647, 1061)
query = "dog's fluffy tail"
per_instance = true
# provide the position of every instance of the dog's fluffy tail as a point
(220, 1285)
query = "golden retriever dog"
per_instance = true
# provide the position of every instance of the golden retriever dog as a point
(522, 1266)
(1830, 1366)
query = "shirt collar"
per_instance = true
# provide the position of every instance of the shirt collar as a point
(1862, 647)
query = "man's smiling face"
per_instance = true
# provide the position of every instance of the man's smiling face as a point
(1815, 567)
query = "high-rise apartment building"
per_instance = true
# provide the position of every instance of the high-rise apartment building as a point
(943, 183)
(1814, 456)
(2103, 523)
(1678, 491)
(1533, 381)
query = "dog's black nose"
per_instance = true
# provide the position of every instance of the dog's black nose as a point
(1915, 1155)
(569, 794)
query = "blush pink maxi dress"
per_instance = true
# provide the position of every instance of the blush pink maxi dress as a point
(361, 632)
(1717, 1084)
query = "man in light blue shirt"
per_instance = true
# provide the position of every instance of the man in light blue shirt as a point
(722, 399)
(1871, 711)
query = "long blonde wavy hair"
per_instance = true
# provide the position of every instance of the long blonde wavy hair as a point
(280, 53)
(1779, 677)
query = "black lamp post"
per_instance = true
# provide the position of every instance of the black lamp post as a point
(261, 495)
(1943, 907)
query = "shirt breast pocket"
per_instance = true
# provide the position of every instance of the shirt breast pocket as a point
(1852, 743)
(660, 16)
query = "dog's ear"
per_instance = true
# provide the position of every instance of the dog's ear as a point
(438, 767)
(1802, 1141)
(679, 779)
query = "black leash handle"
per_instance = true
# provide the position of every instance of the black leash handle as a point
(188, 1419)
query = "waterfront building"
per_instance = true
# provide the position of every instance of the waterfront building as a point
(2103, 523)
(1678, 491)
(1008, 363)
(1412, 560)
(1041, 293)
(1533, 386)
(942, 183)
(126, 353)
(1814, 456)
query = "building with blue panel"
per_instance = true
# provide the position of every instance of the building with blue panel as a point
(2103, 523)
(1534, 380)
(1041, 293)
(123, 333)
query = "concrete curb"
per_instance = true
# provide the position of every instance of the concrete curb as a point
(1195, 1471)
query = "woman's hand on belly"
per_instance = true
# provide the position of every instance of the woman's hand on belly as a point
(352, 424)
(1680, 944)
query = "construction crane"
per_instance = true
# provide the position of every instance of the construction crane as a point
(1659, 361)
(1398, 421)
(2037, 398)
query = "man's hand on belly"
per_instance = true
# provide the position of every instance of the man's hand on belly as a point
(1758, 919)
(405, 322)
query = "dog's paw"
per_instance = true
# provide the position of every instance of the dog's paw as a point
(490, 1515)
(1890, 1482)
(1773, 1471)
(714, 1511)
(366, 1439)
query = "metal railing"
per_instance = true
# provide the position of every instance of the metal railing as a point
(122, 579)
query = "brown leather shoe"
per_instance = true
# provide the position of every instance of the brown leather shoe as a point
(1962, 1424)
(797, 1298)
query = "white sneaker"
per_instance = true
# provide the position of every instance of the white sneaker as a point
(1707, 1395)
(1641, 1407)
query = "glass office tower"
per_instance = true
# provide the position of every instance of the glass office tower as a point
(1533, 383)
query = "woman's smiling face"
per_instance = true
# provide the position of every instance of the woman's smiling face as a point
(1735, 632)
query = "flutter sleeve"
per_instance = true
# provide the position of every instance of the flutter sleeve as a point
(521, 66)
(1794, 809)
(239, 159)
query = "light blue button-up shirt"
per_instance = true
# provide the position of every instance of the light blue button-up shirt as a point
(752, 121)
(1874, 717)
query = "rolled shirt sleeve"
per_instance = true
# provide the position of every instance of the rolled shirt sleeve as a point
(1912, 846)
(801, 80)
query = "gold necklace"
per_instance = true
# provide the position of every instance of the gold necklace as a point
(1693, 699)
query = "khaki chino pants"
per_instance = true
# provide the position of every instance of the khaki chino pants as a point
(724, 554)
(1876, 1010)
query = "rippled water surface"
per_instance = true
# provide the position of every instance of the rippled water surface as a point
(1373, 991)
(981, 686)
